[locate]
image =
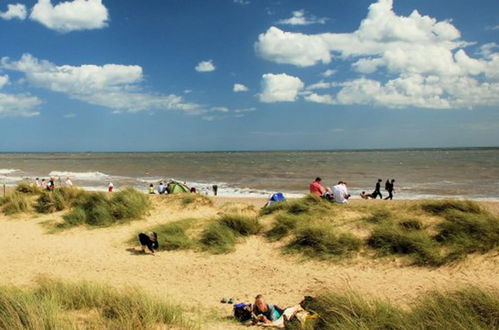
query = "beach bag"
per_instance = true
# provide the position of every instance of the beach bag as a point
(242, 312)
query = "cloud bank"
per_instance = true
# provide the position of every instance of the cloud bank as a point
(425, 57)
(14, 11)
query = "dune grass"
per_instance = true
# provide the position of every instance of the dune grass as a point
(221, 235)
(58, 200)
(27, 188)
(15, 202)
(470, 308)
(55, 304)
(323, 242)
(187, 200)
(98, 209)
(173, 235)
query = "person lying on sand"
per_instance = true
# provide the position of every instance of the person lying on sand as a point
(149, 240)
(265, 313)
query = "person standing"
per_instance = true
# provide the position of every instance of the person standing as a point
(377, 190)
(215, 189)
(110, 187)
(68, 182)
(161, 188)
(51, 184)
(390, 188)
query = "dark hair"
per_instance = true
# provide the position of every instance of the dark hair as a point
(379, 180)
(151, 185)
(393, 180)
(340, 182)
(318, 179)
(258, 296)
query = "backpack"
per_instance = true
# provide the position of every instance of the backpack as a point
(242, 312)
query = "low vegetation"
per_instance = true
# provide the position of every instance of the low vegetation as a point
(15, 203)
(470, 308)
(188, 200)
(98, 209)
(173, 235)
(27, 188)
(59, 305)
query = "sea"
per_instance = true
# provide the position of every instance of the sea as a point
(471, 173)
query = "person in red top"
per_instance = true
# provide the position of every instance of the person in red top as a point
(316, 188)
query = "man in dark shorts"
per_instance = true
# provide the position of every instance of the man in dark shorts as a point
(390, 188)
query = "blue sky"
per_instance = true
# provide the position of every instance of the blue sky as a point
(161, 75)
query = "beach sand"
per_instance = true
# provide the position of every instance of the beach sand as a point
(201, 279)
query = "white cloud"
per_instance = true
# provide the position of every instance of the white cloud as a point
(242, 2)
(328, 73)
(14, 11)
(205, 66)
(244, 110)
(69, 115)
(418, 50)
(320, 85)
(280, 88)
(240, 88)
(4, 80)
(17, 105)
(71, 15)
(316, 98)
(299, 18)
(112, 85)
(220, 109)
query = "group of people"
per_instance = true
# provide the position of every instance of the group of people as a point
(339, 192)
(49, 184)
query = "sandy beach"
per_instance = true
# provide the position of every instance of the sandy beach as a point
(201, 279)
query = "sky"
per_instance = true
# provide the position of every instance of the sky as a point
(197, 75)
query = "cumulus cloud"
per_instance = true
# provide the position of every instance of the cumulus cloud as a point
(112, 85)
(205, 66)
(280, 88)
(71, 15)
(421, 52)
(328, 73)
(14, 11)
(242, 2)
(4, 80)
(299, 17)
(17, 105)
(240, 88)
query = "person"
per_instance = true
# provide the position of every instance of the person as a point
(215, 189)
(37, 183)
(149, 240)
(68, 182)
(44, 184)
(364, 195)
(340, 193)
(193, 190)
(110, 187)
(265, 313)
(316, 188)
(390, 188)
(151, 189)
(161, 188)
(377, 190)
(51, 184)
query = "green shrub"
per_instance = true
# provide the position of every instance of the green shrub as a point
(15, 203)
(391, 240)
(274, 207)
(284, 224)
(438, 207)
(218, 238)
(242, 225)
(76, 217)
(322, 241)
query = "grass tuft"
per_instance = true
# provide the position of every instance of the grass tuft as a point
(26, 188)
(218, 238)
(173, 236)
(439, 207)
(59, 199)
(241, 225)
(15, 203)
(321, 241)
(284, 225)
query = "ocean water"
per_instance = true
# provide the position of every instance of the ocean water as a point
(419, 173)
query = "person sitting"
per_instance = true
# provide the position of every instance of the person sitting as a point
(149, 240)
(151, 189)
(161, 188)
(265, 313)
(316, 187)
(340, 193)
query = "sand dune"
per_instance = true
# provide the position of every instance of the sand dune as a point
(196, 279)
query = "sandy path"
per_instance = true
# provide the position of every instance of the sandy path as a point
(197, 278)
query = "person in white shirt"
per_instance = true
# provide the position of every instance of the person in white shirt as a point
(340, 193)
(68, 182)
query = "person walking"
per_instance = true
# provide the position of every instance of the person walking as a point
(377, 190)
(390, 188)
(215, 189)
